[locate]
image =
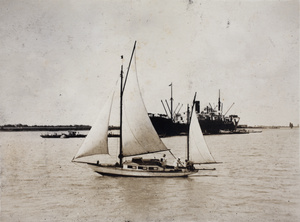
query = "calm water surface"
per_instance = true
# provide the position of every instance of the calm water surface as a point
(258, 180)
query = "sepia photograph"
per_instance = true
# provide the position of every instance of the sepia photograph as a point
(149, 111)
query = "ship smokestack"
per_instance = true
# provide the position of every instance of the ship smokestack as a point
(197, 106)
(219, 102)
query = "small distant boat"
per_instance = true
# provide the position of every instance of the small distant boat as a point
(241, 131)
(255, 131)
(70, 134)
(51, 135)
(138, 137)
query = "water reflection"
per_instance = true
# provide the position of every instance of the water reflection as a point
(152, 198)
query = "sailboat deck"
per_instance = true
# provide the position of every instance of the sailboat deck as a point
(131, 169)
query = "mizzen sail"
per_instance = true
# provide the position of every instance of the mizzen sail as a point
(199, 152)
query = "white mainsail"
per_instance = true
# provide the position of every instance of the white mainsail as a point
(96, 141)
(139, 135)
(199, 152)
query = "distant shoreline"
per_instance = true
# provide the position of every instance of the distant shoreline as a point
(21, 127)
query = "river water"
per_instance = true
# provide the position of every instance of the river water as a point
(258, 180)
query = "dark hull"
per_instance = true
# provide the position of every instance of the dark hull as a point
(165, 127)
(216, 126)
(50, 136)
(77, 136)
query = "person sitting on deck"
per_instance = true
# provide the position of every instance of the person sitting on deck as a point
(190, 165)
(163, 161)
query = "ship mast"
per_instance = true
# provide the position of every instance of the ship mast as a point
(122, 88)
(171, 101)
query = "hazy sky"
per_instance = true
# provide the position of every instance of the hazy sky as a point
(60, 59)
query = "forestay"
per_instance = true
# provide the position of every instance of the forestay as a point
(199, 152)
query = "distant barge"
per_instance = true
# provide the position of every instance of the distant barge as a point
(70, 134)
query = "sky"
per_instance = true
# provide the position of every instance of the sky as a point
(60, 59)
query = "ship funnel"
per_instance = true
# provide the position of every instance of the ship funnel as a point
(197, 106)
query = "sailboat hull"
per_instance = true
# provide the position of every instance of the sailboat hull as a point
(118, 171)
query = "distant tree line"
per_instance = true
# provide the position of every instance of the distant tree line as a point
(25, 127)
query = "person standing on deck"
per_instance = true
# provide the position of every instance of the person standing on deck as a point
(178, 163)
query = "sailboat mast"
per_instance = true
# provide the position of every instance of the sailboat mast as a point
(189, 116)
(188, 134)
(122, 88)
(121, 114)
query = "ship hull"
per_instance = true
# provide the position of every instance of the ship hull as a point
(165, 127)
(215, 126)
(121, 172)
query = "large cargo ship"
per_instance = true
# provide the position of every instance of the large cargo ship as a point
(211, 119)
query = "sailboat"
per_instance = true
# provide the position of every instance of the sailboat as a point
(137, 138)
